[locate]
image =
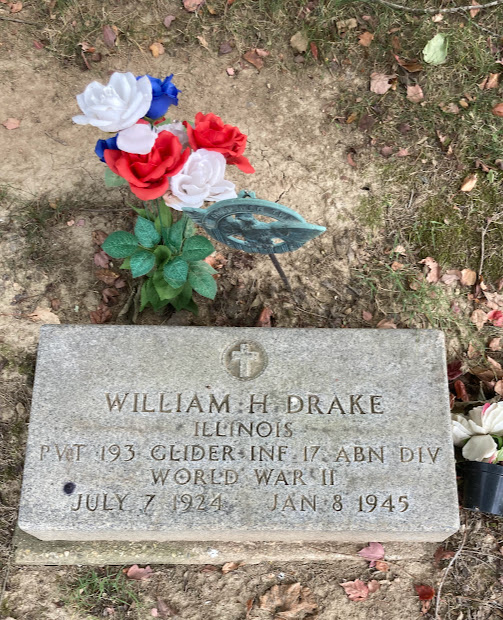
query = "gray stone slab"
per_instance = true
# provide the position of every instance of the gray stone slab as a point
(239, 435)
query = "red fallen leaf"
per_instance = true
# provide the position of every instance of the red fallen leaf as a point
(461, 392)
(314, 50)
(120, 283)
(192, 5)
(386, 151)
(109, 295)
(254, 59)
(140, 574)
(496, 318)
(403, 153)
(264, 319)
(373, 586)
(498, 388)
(367, 316)
(101, 315)
(495, 344)
(383, 567)
(38, 45)
(425, 593)
(351, 161)
(356, 590)
(498, 109)
(454, 370)
(415, 93)
(442, 554)
(230, 71)
(434, 273)
(168, 20)
(101, 259)
(11, 123)
(374, 551)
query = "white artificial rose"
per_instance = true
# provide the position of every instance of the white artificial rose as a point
(201, 179)
(139, 139)
(461, 430)
(487, 420)
(177, 129)
(118, 105)
(480, 448)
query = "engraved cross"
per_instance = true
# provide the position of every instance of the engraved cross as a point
(244, 356)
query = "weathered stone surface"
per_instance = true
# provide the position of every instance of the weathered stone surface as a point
(199, 434)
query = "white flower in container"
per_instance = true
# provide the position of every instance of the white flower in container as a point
(477, 432)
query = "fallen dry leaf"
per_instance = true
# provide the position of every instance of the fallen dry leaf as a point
(496, 318)
(383, 567)
(395, 43)
(460, 390)
(230, 566)
(44, 315)
(356, 590)
(442, 554)
(366, 122)
(496, 366)
(15, 7)
(380, 82)
(367, 316)
(38, 45)
(101, 259)
(346, 24)
(415, 93)
(192, 5)
(109, 295)
(107, 276)
(99, 236)
(157, 49)
(135, 572)
(433, 275)
(109, 36)
(203, 42)
(350, 160)
(386, 151)
(495, 344)
(425, 593)
(449, 108)
(225, 48)
(254, 59)
(314, 50)
(498, 109)
(365, 38)
(468, 277)
(374, 551)
(479, 318)
(494, 300)
(373, 586)
(288, 602)
(402, 153)
(498, 388)
(168, 20)
(469, 183)
(230, 71)
(491, 81)
(264, 320)
(299, 42)
(396, 266)
(385, 324)
(411, 66)
(55, 304)
(474, 12)
(11, 123)
(99, 316)
(163, 610)
(437, 18)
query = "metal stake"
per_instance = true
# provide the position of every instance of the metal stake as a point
(282, 274)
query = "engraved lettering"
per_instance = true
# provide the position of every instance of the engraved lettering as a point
(298, 402)
(218, 407)
(116, 402)
(375, 402)
(355, 402)
(336, 404)
(258, 403)
(266, 476)
(195, 403)
(161, 407)
(303, 504)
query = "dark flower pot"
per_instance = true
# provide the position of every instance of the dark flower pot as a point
(483, 487)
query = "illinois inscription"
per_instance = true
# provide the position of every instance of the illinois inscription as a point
(242, 434)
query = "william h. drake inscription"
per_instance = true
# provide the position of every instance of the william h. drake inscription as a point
(239, 434)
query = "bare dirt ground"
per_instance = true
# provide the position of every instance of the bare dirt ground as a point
(54, 198)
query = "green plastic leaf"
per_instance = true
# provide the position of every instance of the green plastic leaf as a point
(163, 289)
(201, 279)
(175, 234)
(146, 233)
(141, 263)
(112, 179)
(183, 298)
(190, 229)
(165, 219)
(176, 272)
(435, 51)
(126, 264)
(162, 254)
(197, 248)
(149, 296)
(148, 215)
(191, 306)
(120, 244)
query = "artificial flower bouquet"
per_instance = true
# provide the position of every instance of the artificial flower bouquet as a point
(480, 433)
(169, 165)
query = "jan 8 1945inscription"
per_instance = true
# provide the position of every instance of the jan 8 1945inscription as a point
(192, 433)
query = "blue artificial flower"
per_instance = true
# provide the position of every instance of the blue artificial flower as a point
(101, 145)
(164, 94)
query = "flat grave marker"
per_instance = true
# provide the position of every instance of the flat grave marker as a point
(239, 434)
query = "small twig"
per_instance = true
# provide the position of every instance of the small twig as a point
(449, 566)
(19, 21)
(127, 305)
(433, 10)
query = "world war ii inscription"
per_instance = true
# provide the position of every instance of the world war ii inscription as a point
(237, 434)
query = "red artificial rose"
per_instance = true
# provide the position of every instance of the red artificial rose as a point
(211, 134)
(148, 175)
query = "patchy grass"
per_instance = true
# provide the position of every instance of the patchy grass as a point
(96, 590)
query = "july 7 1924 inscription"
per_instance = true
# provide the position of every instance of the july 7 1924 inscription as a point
(239, 434)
